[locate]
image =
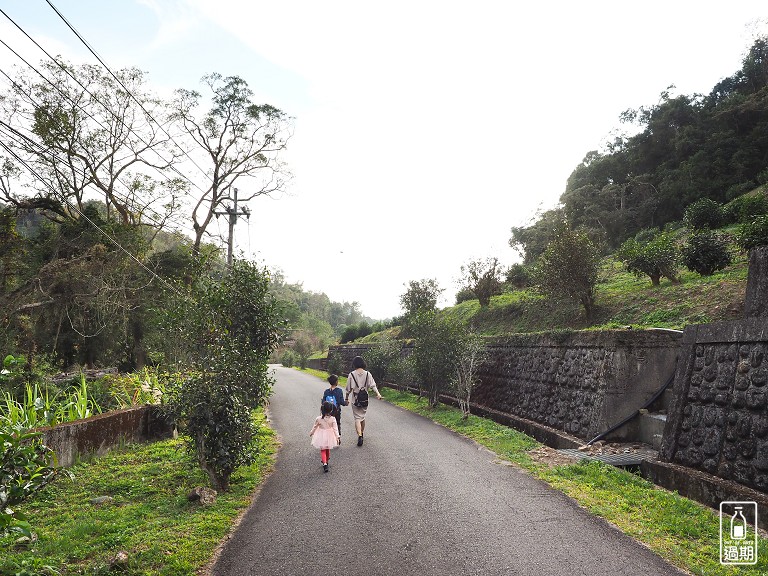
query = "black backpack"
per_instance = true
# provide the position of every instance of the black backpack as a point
(361, 397)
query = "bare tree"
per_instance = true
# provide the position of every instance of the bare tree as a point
(81, 129)
(239, 140)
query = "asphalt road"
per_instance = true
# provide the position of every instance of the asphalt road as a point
(414, 499)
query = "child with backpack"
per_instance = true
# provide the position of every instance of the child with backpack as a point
(325, 434)
(335, 396)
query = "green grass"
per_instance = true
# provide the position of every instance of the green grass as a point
(679, 530)
(622, 299)
(150, 517)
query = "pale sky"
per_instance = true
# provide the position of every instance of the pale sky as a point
(438, 124)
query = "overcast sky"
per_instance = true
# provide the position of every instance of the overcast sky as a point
(439, 124)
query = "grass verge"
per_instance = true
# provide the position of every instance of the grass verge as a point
(683, 532)
(149, 516)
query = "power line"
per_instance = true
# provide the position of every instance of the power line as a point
(107, 108)
(107, 68)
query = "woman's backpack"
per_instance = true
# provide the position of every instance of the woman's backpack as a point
(361, 396)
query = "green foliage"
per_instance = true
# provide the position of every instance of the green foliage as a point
(40, 407)
(420, 296)
(704, 213)
(402, 371)
(746, 207)
(437, 349)
(355, 331)
(754, 233)
(335, 363)
(518, 276)
(569, 268)
(230, 327)
(380, 357)
(25, 468)
(482, 277)
(288, 358)
(465, 294)
(150, 516)
(706, 252)
(303, 349)
(655, 258)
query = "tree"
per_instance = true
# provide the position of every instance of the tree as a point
(655, 257)
(531, 241)
(421, 296)
(229, 327)
(84, 130)
(472, 353)
(436, 352)
(241, 143)
(569, 268)
(483, 278)
(704, 213)
(380, 357)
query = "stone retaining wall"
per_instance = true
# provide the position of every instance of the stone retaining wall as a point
(718, 421)
(578, 382)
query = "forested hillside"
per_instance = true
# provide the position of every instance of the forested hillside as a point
(685, 148)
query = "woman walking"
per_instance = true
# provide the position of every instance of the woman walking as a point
(360, 380)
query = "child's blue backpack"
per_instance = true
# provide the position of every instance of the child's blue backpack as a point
(332, 399)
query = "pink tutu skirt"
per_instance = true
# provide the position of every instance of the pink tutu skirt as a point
(324, 438)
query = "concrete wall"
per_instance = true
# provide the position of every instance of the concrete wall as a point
(97, 434)
(578, 382)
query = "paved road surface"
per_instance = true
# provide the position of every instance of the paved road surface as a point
(414, 499)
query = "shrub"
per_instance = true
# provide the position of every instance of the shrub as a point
(25, 468)
(465, 295)
(569, 268)
(704, 213)
(380, 356)
(229, 325)
(745, 208)
(753, 233)
(706, 252)
(401, 372)
(518, 276)
(288, 359)
(335, 363)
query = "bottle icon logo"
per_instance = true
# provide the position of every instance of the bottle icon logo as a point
(738, 533)
(738, 524)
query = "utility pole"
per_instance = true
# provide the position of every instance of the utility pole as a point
(233, 214)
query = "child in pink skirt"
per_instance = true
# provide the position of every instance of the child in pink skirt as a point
(325, 433)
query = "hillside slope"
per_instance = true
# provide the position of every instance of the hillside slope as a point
(622, 300)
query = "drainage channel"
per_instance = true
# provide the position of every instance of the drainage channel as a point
(619, 460)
